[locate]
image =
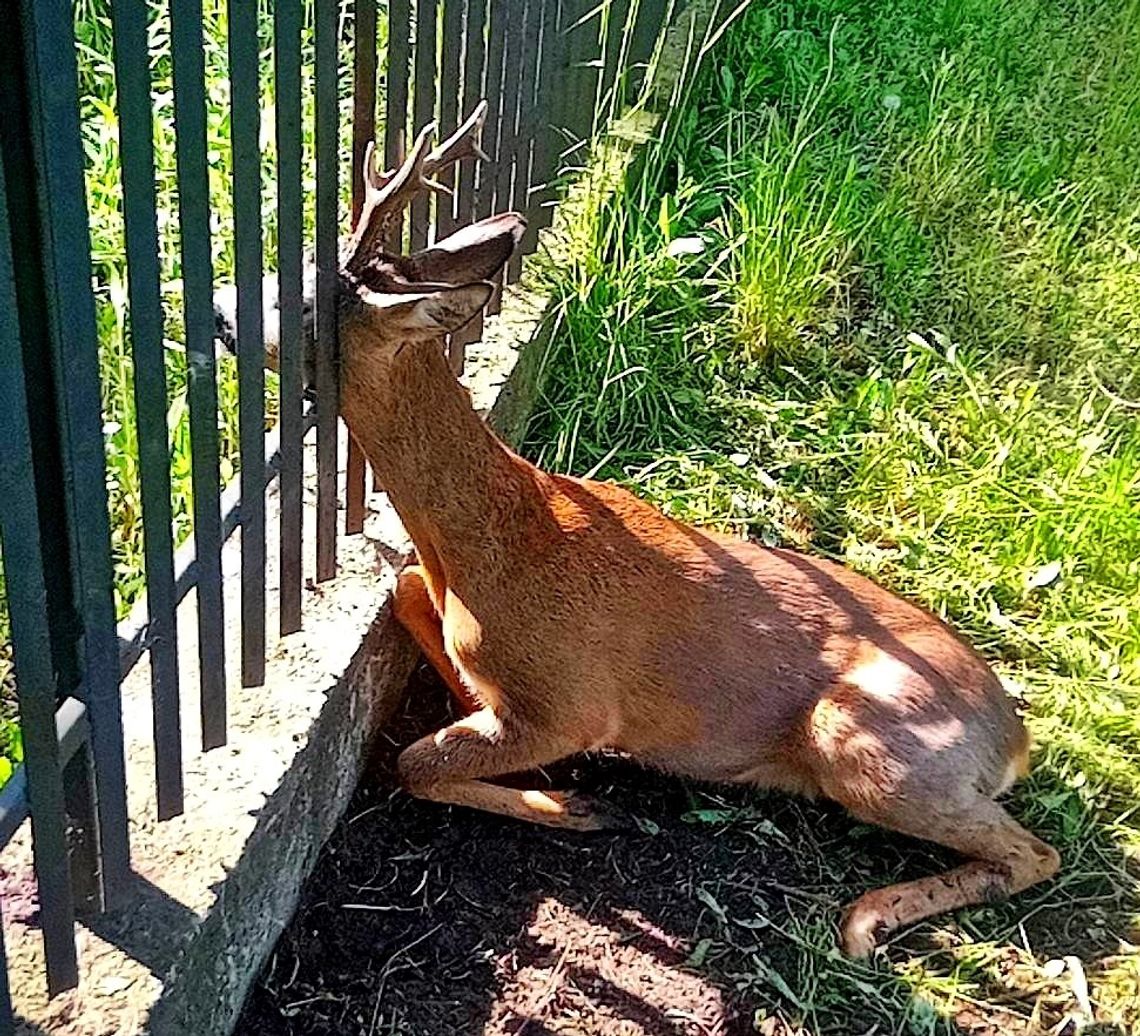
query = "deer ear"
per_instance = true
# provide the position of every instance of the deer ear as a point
(475, 253)
(429, 313)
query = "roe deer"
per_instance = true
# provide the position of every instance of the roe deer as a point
(567, 615)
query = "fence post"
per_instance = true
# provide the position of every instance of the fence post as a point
(327, 146)
(136, 150)
(31, 640)
(43, 158)
(363, 133)
(188, 65)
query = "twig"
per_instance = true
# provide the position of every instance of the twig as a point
(388, 967)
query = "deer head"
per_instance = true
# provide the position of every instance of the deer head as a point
(396, 298)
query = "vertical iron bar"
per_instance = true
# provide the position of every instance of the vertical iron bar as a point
(614, 46)
(474, 52)
(423, 108)
(363, 96)
(363, 133)
(287, 90)
(136, 151)
(31, 644)
(451, 48)
(549, 74)
(65, 264)
(202, 385)
(512, 62)
(508, 120)
(524, 131)
(497, 29)
(583, 55)
(327, 153)
(245, 126)
(396, 96)
(7, 1022)
(649, 21)
(79, 798)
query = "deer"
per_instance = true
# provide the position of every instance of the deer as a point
(568, 616)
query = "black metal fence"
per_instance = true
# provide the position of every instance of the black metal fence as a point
(549, 69)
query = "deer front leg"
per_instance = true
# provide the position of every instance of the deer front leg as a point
(414, 610)
(446, 767)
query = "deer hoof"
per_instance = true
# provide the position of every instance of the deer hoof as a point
(862, 928)
(586, 813)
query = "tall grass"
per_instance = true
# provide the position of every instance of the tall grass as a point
(910, 339)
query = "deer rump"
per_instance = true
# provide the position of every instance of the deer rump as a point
(566, 615)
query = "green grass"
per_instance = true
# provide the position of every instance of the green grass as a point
(911, 342)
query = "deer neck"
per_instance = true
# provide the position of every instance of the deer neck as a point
(457, 488)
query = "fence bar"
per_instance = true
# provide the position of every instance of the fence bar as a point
(450, 51)
(65, 265)
(327, 152)
(423, 108)
(498, 15)
(245, 115)
(509, 110)
(287, 95)
(499, 28)
(136, 151)
(363, 133)
(520, 156)
(31, 641)
(474, 54)
(582, 57)
(202, 386)
(550, 75)
(508, 120)
(396, 98)
(7, 1022)
(615, 46)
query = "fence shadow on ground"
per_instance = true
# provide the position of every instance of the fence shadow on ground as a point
(151, 927)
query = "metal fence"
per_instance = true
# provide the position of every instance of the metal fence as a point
(548, 68)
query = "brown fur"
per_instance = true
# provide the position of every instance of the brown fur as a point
(568, 615)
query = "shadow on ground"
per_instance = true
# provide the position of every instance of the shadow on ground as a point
(716, 918)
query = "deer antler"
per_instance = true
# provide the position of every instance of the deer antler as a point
(463, 143)
(388, 193)
(384, 197)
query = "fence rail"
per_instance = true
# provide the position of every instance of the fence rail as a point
(545, 66)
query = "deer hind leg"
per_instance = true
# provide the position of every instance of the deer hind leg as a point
(1006, 859)
(413, 608)
(447, 767)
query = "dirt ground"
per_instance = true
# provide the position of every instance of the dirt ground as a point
(423, 921)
